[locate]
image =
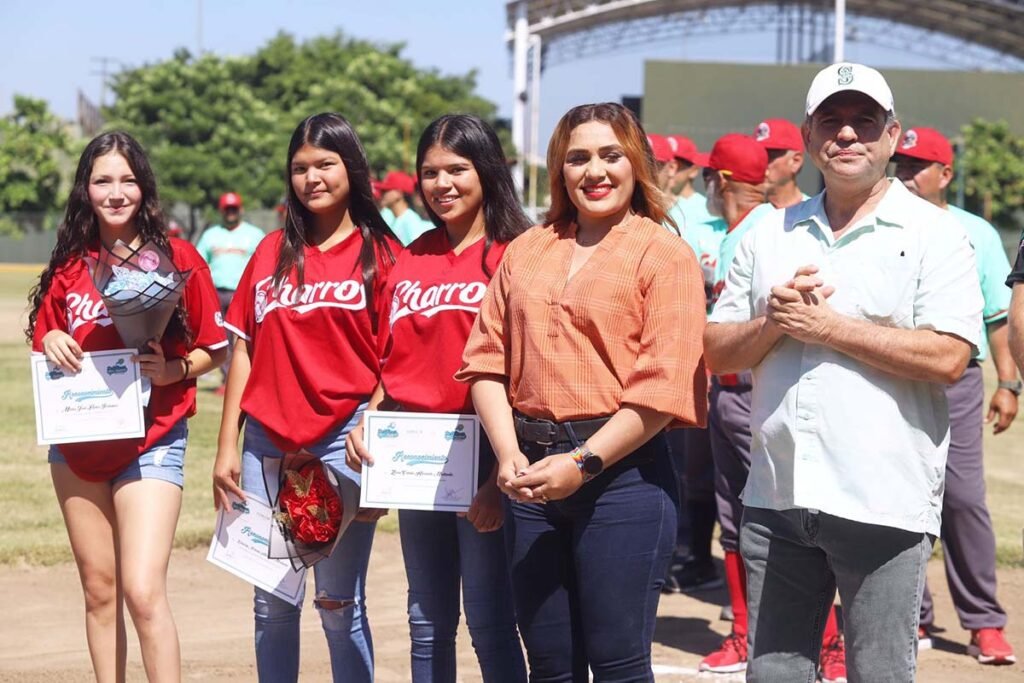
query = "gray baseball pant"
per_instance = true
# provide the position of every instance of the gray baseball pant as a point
(968, 542)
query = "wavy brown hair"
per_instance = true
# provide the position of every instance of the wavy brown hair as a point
(80, 229)
(647, 200)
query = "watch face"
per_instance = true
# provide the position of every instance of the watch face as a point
(593, 465)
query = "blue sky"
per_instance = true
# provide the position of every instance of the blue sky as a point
(47, 46)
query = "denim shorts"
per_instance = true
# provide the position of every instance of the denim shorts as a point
(164, 461)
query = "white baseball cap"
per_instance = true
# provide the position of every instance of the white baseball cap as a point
(849, 76)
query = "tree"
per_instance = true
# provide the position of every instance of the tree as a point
(205, 132)
(33, 145)
(388, 100)
(993, 167)
(213, 124)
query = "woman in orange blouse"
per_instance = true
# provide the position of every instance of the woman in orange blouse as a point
(587, 346)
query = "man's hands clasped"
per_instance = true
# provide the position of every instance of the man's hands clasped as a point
(799, 308)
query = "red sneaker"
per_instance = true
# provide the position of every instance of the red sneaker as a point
(990, 647)
(924, 639)
(833, 661)
(730, 657)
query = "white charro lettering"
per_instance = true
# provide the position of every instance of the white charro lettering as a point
(411, 298)
(347, 294)
(82, 308)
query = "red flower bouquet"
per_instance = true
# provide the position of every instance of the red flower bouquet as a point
(312, 507)
(309, 506)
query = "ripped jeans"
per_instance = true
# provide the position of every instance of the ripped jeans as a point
(342, 577)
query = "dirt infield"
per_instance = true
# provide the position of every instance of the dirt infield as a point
(43, 636)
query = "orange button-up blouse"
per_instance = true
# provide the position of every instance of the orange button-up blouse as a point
(627, 328)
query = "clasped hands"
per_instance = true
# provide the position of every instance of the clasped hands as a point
(799, 309)
(552, 478)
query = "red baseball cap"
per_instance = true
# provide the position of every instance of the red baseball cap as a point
(740, 157)
(661, 148)
(229, 200)
(686, 149)
(397, 180)
(927, 144)
(779, 134)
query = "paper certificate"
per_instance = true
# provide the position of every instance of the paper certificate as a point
(421, 461)
(241, 541)
(103, 402)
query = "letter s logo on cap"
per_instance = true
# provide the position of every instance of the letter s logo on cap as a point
(845, 74)
(910, 139)
(763, 131)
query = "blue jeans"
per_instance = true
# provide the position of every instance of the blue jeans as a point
(587, 571)
(341, 576)
(796, 559)
(164, 461)
(440, 549)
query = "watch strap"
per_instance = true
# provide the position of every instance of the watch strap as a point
(1014, 386)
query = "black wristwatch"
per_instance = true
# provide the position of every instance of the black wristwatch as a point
(589, 463)
(1015, 387)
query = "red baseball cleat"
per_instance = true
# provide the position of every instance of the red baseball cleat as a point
(990, 647)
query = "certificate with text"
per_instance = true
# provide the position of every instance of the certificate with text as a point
(241, 546)
(421, 461)
(101, 402)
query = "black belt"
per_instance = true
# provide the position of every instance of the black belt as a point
(546, 432)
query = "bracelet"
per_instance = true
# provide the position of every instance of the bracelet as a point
(1013, 386)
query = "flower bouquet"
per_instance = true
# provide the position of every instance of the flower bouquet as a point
(140, 288)
(312, 507)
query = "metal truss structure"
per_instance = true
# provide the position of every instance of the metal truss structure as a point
(986, 34)
(966, 34)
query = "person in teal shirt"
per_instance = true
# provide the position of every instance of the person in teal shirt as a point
(226, 248)
(397, 189)
(924, 163)
(689, 209)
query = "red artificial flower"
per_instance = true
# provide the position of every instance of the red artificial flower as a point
(311, 504)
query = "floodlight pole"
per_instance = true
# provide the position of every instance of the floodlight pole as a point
(520, 47)
(840, 40)
(535, 44)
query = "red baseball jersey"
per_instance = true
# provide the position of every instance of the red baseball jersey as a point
(434, 298)
(314, 348)
(74, 305)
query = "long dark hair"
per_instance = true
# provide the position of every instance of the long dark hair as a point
(80, 228)
(334, 133)
(470, 137)
(647, 199)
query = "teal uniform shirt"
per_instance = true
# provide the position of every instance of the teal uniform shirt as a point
(388, 215)
(993, 267)
(727, 248)
(409, 226)
(228, 252)
(705, 239)
(688, 213)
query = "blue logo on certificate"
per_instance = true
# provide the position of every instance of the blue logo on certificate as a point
(55, 374)
(118, 368)
(458, 434)
(389, 432)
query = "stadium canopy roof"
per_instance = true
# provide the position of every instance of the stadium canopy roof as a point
(995, 24)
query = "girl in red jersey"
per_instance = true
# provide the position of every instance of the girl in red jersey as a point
(120, 499)
(304, 366)
(434, 292)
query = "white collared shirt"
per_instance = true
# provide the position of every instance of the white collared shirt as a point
(829, 432)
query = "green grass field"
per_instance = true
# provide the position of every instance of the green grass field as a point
(31, 529)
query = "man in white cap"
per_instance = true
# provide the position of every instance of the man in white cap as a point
(854, 309)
